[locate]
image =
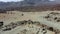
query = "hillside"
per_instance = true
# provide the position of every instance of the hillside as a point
(30, 5)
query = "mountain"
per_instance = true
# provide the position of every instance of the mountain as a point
(29, 4)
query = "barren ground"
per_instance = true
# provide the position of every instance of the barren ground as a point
(14, 16)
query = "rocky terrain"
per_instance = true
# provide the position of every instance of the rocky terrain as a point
(16, 22)
(53, 16)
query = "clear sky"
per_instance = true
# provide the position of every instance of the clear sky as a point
(10, 0)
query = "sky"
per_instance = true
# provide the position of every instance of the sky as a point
(22, 0)
(51, 0)
(10, 0)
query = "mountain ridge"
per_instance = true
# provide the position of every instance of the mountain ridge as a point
(29, 4)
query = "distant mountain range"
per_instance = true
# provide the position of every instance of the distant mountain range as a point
(29, 3)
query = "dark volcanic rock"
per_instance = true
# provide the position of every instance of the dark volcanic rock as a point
(1, 24)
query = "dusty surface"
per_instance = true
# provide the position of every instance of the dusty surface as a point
(34, 16)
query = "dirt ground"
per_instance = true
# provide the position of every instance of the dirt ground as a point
(13, 16)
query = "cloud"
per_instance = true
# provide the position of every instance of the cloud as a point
(10, 0)
(51, 0)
